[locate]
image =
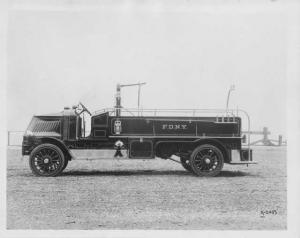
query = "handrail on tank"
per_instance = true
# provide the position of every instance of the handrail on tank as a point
(192, 111)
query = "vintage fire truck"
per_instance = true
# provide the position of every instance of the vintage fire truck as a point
(202, 140)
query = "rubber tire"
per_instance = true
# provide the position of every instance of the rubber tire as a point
(220, 158)
(49, 146)
(185, 165)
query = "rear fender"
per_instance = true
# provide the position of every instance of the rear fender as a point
(191, 145)
(216, 143)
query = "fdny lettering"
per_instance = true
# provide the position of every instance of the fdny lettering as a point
(174, 127)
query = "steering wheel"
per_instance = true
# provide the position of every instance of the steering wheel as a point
(80, 108)
(85, 109)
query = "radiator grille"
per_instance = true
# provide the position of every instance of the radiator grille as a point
(40, 127)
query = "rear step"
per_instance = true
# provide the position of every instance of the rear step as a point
(243, 162)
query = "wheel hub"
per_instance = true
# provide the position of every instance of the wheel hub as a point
(46, 160)
(207, 160)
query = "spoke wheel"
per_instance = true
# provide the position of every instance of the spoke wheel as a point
(206, 160)
(46, 160)
(186, 164)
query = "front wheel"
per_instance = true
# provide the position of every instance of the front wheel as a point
(46, 160)
(207, 160)
(65, 164)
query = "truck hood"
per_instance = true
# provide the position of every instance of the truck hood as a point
(59, 114)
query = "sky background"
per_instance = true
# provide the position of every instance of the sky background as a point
(188, 53)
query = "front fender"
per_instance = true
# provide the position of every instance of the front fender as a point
(31, 142)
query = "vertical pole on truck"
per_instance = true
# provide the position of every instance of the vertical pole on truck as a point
(228, 95)
(139, 96)
(118, 100)
(118, 96)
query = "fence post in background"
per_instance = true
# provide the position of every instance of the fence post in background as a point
(8, 138)
(280, 140)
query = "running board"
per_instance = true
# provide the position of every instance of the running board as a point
(93, 154)
(243, 162)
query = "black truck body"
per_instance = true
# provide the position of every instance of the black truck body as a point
(202, 139)
(141, 136)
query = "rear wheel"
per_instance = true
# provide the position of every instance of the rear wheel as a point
(186, 164)
(47, 160)
(206, 160)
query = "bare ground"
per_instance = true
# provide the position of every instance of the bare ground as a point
(154, 194)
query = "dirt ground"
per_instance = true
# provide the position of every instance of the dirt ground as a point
(154, 194)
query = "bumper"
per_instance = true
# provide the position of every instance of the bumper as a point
(246, 154)
(27, 144)
(26, 150)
